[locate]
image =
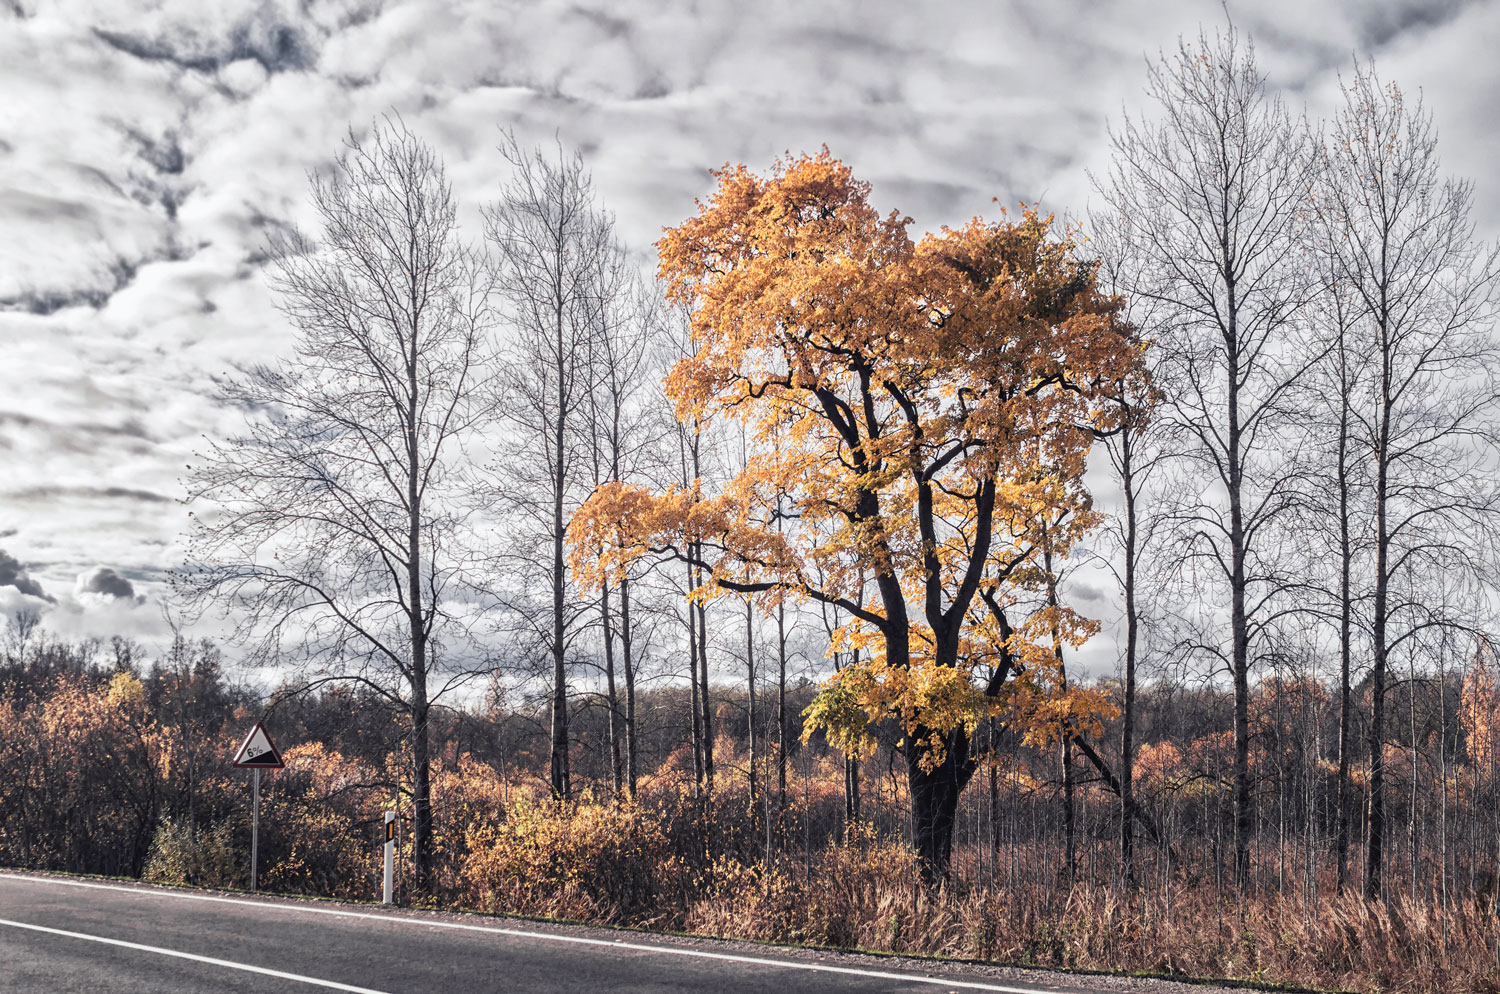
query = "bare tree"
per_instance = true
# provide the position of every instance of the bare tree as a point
(558, 275)
(331, 529)
(1137, 450)
(624, 436)
(1333, 511)
(1401, 240)
(1210, 199)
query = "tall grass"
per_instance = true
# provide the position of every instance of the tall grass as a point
(682, 863)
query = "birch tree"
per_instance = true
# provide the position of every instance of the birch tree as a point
(1400, 238)
(331, 529)
(558, 277)
(1210, 198)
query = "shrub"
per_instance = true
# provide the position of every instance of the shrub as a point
(587, 860)
(210, 857)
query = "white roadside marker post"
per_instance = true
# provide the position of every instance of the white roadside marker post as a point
(255, 831)
(390, 856)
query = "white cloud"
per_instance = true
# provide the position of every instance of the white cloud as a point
(147, 149)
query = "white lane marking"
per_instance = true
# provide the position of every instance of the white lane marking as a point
(314, 981)
(521, 933)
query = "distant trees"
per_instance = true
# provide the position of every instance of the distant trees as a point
(329, 529)
(192, 700)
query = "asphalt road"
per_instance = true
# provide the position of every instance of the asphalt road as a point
(58, 935)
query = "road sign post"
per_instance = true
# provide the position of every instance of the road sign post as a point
(256, 753)
(390, 856)
(255, 831)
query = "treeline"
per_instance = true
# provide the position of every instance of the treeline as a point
(111, 750)
(116, 761)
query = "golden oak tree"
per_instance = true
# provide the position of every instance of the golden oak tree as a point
(923, 412)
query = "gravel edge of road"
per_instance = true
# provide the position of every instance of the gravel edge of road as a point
(931, 966)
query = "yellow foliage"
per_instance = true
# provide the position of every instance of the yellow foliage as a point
(1478, 713)
(922, 413)
(125, 690)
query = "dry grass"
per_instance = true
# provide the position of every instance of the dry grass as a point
(667, 864)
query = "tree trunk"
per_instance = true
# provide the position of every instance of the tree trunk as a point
(612, 698)
(562, 784)
(692, 619)
(632, 748)
(1244, 813)
(421, 797)
(750, 681)
(1375, 852)
(1346, 615)
(421, 791)
(781, 703)
(708, 712)
(1070, 834)
(1132, 629)
(934, 802)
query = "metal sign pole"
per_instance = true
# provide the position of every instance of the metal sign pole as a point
(256, 753)
(255, 832)
(390, 856)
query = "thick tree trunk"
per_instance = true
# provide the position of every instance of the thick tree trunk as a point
(562, 784)
(934, 803)
(1244, 813)
(421, 791)
(851, 791)
(1346, 613)
(708, 712)
(1069, 814)
(1375, 850)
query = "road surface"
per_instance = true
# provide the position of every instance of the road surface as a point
(62, 935)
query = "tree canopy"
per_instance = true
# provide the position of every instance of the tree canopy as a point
(922, 411)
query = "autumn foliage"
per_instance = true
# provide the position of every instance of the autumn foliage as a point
(921, 412)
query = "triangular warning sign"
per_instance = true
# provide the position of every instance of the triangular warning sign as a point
(258, 751)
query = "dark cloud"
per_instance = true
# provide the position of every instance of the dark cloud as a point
(80, 438)
(277, 47)
(32, 301)
(1087, 592)
(108, 583)
(164, 154)
(86, 493)
(12, 574)
(1380, 22)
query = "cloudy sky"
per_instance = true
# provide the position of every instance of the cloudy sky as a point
(147, 149)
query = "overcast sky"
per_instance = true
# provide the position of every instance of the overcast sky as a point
(147, 150)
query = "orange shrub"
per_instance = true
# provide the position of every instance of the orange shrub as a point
(590, 860)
